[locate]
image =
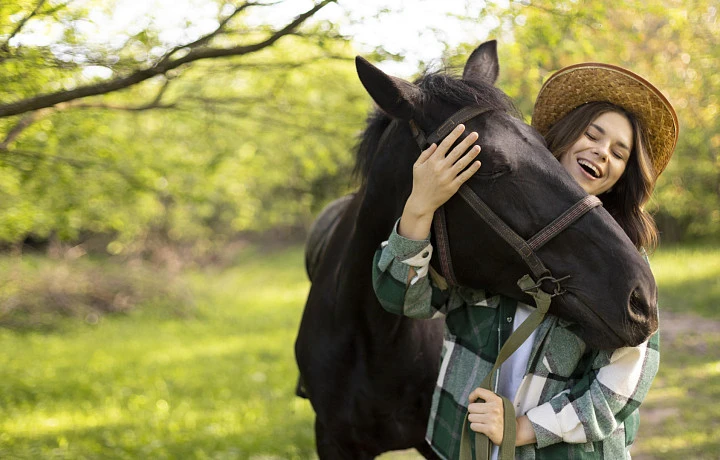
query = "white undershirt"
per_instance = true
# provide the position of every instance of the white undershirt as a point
(512, 371)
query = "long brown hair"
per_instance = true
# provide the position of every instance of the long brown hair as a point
(625, 201)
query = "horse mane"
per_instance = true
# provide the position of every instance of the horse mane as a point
(437, 86)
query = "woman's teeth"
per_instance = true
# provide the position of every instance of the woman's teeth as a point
(590, 168)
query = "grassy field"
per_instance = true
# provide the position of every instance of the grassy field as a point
(220, 383)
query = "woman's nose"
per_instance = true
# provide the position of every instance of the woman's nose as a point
(603, 152)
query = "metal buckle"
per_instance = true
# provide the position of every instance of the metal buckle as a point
(558, 289)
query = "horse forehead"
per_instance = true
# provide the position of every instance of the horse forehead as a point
(507, 137)
(502, 126)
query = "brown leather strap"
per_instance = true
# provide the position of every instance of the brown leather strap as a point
(461, 116)
(564, 221)
(516, 339)
(443, 246)
(506, 233)
(526, 249)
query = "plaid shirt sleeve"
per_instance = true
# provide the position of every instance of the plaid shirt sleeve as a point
(420, 297)
(603, 398)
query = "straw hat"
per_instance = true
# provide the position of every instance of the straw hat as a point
(578, 84)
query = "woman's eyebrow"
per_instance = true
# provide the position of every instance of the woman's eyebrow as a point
(620, 144)
(602, 131)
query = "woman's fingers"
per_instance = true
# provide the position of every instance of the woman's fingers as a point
(482, 393)
(465, 160)
(427, 153)
(450, 139)
(486, 414)
(462, 147)
(468, 173)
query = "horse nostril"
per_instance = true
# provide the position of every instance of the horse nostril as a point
(638, 305)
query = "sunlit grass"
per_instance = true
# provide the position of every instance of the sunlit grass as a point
(683, 398)
(220, 383)
(689, 279)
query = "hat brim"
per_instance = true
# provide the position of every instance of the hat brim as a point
(578, 84)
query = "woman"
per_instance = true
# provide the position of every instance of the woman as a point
(614, 133)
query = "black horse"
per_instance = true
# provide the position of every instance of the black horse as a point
(369, 375)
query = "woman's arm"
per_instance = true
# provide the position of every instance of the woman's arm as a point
(592, 409)
(436, 178)
(401, 266)
(400, 280)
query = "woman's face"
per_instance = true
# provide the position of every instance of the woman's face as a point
(597, 159)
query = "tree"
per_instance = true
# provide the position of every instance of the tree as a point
(198, 157)
(675, 44)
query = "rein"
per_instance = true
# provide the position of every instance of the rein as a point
(531, 285)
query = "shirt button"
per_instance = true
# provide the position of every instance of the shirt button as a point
(509, 319)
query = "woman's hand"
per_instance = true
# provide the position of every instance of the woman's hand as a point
(486, 417)
(437, 175)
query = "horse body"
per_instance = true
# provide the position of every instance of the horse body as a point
(369, 374)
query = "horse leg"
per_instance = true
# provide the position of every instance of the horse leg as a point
(330, 448)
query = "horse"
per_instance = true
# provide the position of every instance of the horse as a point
(368, 374)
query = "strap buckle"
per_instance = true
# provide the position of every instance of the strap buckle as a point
(558, 290)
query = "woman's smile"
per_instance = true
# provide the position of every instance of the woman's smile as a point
(597, 159)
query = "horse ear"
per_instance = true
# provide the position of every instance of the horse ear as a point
(395, 96)
(483, 66)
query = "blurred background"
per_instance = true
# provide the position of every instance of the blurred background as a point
(161, 162)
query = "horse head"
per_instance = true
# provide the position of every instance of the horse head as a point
(606, 290)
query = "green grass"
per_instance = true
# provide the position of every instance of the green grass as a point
(220, 383)
(681, 415)
(684, 399)
(689, 279)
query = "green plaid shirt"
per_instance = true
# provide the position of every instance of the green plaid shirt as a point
(582, 403)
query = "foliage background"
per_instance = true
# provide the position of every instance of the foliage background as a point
(147, 180)
(251, 142)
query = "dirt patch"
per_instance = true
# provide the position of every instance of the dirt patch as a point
(688, 334)
(673, 325)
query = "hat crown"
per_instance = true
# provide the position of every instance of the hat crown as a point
(573, 86)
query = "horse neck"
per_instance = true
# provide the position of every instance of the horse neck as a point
(374, 224)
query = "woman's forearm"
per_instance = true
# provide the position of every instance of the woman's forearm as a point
(524, 433)
(415, 221)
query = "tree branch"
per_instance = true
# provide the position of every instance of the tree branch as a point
(49, 100)
(32, 117)
(21, 126)
(74, 162)
(81, 164)
(5, 47)
(289, 64)
(205, 39)
(154, 104)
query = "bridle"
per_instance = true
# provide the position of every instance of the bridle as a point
(531, 283)
(525, 248)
